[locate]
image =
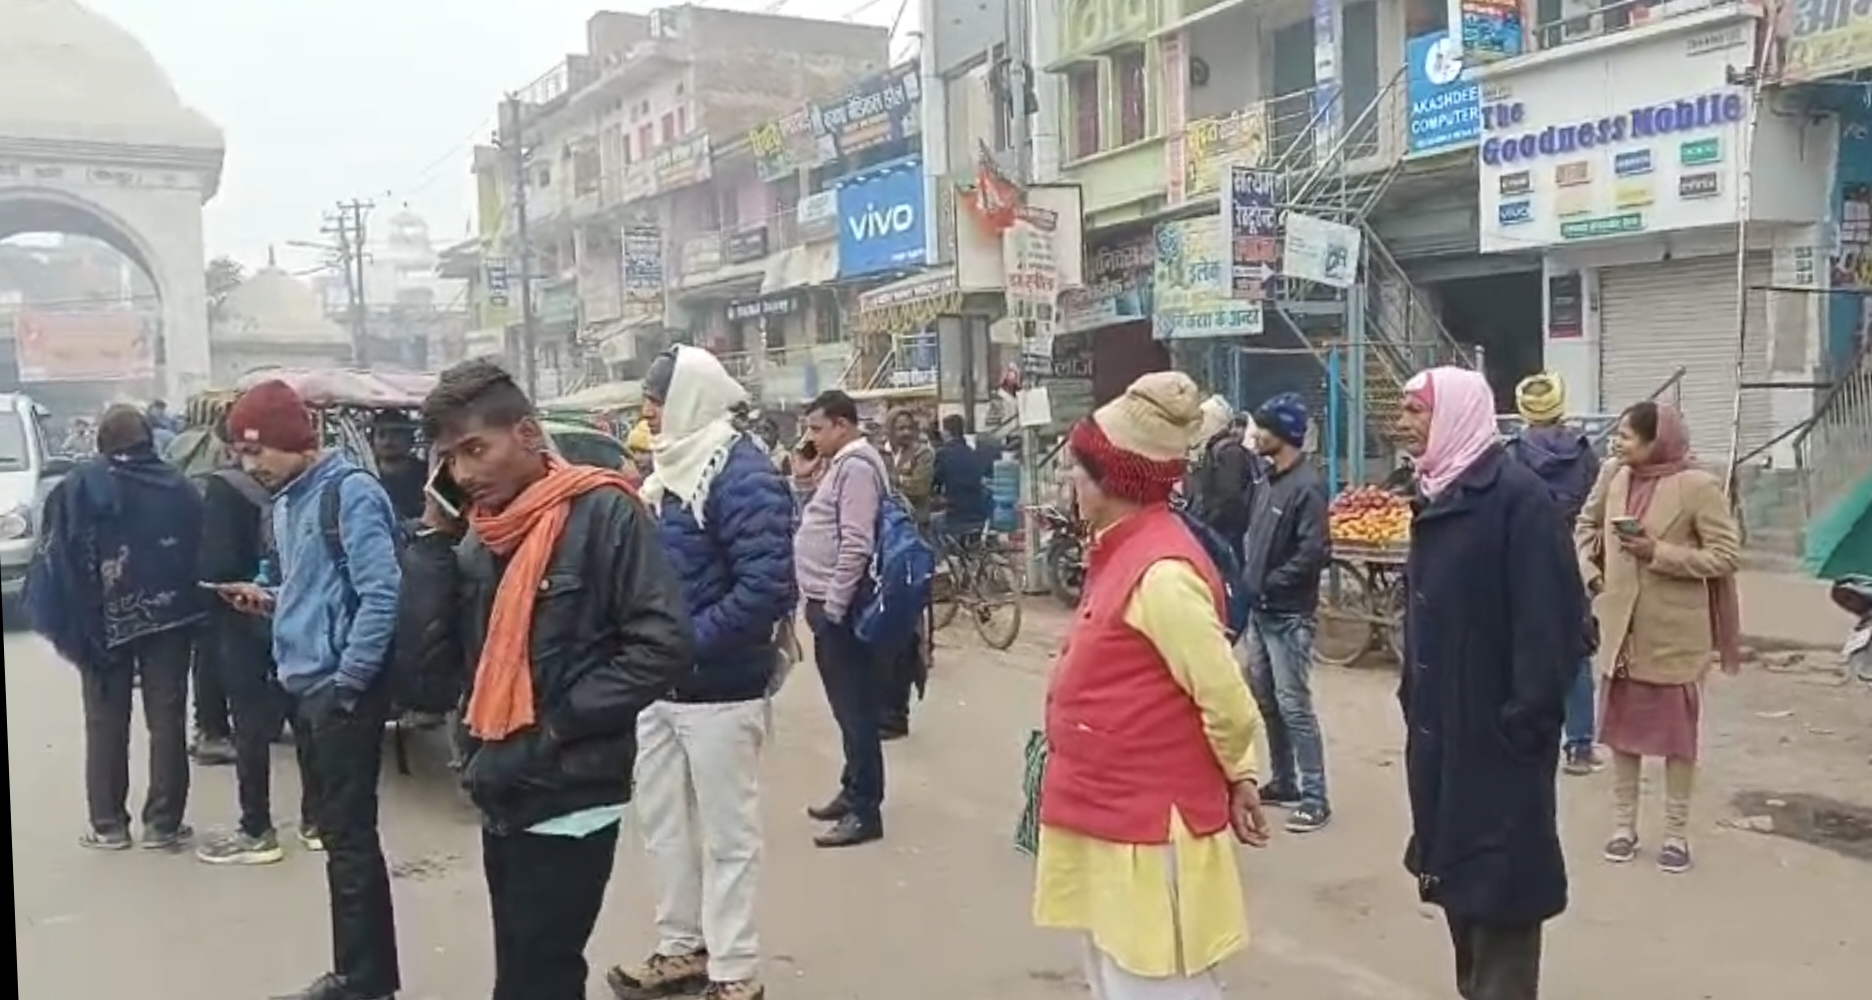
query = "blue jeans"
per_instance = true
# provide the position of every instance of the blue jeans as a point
(1280, 668)
(1579, 731)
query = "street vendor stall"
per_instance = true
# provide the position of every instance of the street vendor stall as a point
(1362, 592)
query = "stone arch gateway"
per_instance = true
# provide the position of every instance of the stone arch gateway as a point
(95, 142)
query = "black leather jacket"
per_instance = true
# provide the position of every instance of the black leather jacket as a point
(610, 636)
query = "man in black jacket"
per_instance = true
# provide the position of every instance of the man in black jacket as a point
(562, 605)
(1224, 480)
(237, 547)
(1286, 551)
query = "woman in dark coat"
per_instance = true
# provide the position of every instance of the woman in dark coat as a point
(1492, 640)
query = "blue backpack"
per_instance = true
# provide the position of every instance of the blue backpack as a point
(1235, 597)
(902, 567)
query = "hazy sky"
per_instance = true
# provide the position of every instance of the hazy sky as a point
(378, 100)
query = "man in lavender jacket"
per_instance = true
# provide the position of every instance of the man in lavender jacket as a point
(832, 557)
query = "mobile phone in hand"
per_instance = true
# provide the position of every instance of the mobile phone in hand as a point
(446, 493)
(1627, 527)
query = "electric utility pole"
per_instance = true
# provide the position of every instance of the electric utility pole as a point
(1019, 53)
(345, 228)
(356, 211)
(513, 143)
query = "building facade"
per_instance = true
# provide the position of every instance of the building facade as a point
(1550, 186)
(650, 216)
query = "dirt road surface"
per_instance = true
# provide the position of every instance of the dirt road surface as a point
(939, 910)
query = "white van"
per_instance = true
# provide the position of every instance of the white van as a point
(28, 471)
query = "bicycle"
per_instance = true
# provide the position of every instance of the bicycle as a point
(977, 573)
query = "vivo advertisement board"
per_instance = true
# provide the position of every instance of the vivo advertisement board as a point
(880, 216)
(1445, 104)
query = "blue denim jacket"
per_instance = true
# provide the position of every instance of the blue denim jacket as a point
(315, 636)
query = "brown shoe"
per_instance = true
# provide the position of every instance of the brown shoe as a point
(661, 976)
(746, 989)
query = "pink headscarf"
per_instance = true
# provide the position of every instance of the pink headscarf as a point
(1462, 424)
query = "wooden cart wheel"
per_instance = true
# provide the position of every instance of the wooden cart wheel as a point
(1344, 631)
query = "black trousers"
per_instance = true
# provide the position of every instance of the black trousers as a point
(906, 672)
(162, 660)
(214, 718)
(1496, 961)
(243, 657)
(857, 684)
(544, 894)
(341, 757)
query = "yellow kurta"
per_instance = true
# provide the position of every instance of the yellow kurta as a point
(1174, 909)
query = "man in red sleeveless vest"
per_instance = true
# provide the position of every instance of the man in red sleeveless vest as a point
(1151, 729)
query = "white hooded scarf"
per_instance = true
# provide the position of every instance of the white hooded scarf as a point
(698, 430)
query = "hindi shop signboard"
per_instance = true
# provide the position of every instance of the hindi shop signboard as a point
(1254, 246)
(1189, 285)
(880, 109)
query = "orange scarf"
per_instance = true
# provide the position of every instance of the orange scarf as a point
(526, 534)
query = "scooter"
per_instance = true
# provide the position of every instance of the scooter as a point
(1063, 549)
(1853, 594)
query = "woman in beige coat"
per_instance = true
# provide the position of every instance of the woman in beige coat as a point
(1658, 548)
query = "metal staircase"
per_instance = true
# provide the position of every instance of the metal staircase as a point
(1386, 328)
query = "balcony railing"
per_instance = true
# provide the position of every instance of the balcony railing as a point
(1581, 20)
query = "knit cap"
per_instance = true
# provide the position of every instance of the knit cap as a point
(1140, 441)
(272, 415)
(1285, 416)
(1541, 398)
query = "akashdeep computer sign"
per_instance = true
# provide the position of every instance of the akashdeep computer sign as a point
(881, 219)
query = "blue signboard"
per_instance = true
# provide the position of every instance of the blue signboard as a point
(1445, 105)
(880, 214)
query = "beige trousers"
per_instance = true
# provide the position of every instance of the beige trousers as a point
(1679, 784)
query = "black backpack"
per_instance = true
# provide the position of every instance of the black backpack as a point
(412, 688)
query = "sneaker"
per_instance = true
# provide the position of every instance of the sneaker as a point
(1308, 818)
(168, 840)
(746, 989)
(1622, 848)
(332, 986)
(1280, 796)
(661, 976)
(237, 848)
(1674, 857)
(212, 751)
(311, 839)
(105, 840)
(1582, 761)
(850, 832)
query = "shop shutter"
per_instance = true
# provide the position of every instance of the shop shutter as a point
(1655, 318)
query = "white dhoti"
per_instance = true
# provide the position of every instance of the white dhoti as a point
(1109, 982)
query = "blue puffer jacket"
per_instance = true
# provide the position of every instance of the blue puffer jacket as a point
(737, 575)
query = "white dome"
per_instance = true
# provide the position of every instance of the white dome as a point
(275, 307)
(67, 73)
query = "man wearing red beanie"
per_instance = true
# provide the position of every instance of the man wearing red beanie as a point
(334, 614)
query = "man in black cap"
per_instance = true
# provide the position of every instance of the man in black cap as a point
(1284, 554)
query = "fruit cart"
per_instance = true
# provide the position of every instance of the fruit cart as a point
(1362, 591)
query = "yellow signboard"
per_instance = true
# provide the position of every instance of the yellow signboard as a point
(1212, 145)
(1822, 38)
(1634, 193)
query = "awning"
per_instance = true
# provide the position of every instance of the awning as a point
(801, 267)
(910, 304)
